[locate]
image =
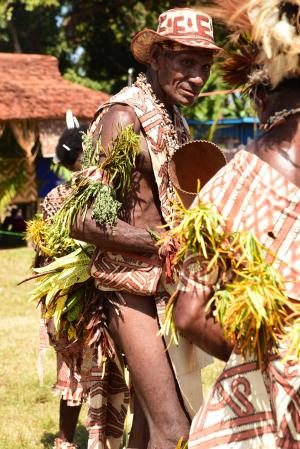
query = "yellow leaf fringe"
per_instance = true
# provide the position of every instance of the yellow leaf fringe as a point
(251, 304)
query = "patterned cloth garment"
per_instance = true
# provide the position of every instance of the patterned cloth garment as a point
(54, 199)
(73, 375)
(163, 137)
(249, 408)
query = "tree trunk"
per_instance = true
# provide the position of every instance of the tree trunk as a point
(15, 39)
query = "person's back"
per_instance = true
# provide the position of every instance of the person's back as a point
(257, 192)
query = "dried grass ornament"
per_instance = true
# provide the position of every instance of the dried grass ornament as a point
(274, 29)
(250, 302)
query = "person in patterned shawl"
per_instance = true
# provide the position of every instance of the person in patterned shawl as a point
(178, 58)
(253, 406)
(68, 154)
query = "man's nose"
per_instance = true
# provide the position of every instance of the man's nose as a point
(197, 78)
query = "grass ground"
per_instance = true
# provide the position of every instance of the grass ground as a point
(29, 412)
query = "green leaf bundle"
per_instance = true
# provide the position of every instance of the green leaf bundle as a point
(64, 287)
(117, 167)
(250, 301)
(120, 160)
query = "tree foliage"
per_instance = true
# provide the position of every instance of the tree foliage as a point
(91, 39)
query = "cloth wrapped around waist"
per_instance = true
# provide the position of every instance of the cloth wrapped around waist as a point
(127, 272)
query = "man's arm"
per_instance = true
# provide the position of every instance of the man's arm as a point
(198, 325)
(121, 236)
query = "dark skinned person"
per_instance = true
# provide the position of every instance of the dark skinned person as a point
(178, 58)
(255, 401)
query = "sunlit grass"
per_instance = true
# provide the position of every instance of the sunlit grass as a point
(29, 412)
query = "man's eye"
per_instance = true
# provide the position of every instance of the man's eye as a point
(187, 62)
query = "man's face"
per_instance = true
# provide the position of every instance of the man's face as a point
(182, 74)
(77, 166)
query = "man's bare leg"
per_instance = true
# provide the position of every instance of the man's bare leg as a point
(68, 418)
(135, 331)
(139, 434)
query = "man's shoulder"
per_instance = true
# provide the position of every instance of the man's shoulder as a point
(130, 96)
(223, 179)
(122, 108)
(128, 93)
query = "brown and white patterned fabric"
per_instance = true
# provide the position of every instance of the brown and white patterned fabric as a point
(121, 272)
(251, 408)
(253, 196)
(108, 404)
(184, 27)
(54, 199)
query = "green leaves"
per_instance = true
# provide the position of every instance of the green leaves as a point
(250, 302)
(106, 207)
(120, 159)
(63, 290)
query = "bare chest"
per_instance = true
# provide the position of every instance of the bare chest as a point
(141, 206)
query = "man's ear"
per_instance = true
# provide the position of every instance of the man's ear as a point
(259, 102)
(260, 98)
(155, 53)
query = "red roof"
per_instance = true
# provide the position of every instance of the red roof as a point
(31, 87)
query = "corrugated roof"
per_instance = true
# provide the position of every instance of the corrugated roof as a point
(31, 87)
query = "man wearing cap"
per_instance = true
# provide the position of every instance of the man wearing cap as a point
(178, 57)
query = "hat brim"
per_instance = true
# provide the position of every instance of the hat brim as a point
(142, 42)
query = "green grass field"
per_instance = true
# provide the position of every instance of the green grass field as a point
(29, 412)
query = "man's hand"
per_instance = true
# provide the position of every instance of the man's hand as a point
(191, 318)
(121, 237)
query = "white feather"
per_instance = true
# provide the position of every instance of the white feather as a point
(71, 120)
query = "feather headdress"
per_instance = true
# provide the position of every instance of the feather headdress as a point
(273, 47)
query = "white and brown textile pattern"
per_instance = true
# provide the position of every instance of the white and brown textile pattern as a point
(253, 196)
(69, 381)
(250, 408)
(109, 401)
(123, 272)
(54, 199)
